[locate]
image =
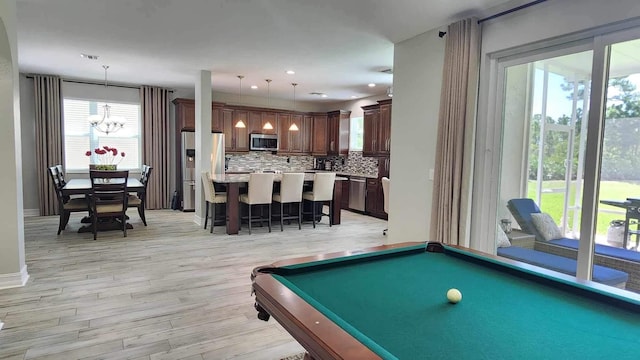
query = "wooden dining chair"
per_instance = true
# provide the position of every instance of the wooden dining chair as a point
(290, 193)
(260, 190)
(322, 192)
(138, 200)
(109, 198)
(66, 205)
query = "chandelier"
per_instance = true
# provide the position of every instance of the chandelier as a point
(106, 123)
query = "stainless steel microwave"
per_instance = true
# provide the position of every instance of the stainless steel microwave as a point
(267, 142)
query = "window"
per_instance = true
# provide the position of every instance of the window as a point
(80, 137)
(356, 134)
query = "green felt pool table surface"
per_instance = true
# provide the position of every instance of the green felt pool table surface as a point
(394, 302)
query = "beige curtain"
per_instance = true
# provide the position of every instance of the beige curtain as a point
(49, 137)
(454, 160)
(155, 140)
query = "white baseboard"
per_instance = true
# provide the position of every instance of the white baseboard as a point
(198, 220)
(31, 212)
(14, 280)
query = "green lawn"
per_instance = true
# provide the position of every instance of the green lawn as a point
(551, 203)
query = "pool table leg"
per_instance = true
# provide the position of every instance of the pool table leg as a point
(262, 313)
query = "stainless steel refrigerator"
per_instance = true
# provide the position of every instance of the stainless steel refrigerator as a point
(189, 178)
(218, 165)
(188, 171)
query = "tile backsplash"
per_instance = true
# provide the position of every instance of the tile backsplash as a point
(354, 163)
(264, 160)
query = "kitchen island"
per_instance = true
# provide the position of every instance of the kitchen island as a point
(234, 181)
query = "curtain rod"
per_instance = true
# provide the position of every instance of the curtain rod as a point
(523, 6)
(96, 83)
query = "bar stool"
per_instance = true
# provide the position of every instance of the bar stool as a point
(290, 193)
(211, 199)
(259, 193)
(322, 191)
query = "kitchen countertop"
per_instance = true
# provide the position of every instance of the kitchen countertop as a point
(344, 173)
(243, 178)
(311, 171)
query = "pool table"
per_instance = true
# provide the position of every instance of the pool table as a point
(389, 302)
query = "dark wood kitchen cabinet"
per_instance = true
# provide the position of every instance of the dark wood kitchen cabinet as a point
(370, 127)
(384, 128)
(377, 129)
(344, 201)
(374, 204)
(236, 139)
(258, 120)
(307, 134)
(291, 141)
(186, 115)
(217, 117)
(338, 132)
(319, 141)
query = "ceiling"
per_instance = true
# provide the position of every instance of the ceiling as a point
(335, 47)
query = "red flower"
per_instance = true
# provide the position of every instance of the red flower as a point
(106, 155)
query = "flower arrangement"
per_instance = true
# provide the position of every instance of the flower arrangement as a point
(108, 157)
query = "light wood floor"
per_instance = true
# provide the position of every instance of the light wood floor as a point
(170, 290)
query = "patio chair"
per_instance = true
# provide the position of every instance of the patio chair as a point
(613, 257)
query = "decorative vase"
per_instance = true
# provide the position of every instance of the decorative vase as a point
(106, 167)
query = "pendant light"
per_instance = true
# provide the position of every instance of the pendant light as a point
(240, 124)
(293, 126)
(267, 125)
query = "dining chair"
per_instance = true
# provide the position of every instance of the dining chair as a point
(109, 198)
(66, 205)
(385, 194)
(260, 190)
(138, 200)
(321, 192)
(290, 193)
(211, 199)
(61, 175)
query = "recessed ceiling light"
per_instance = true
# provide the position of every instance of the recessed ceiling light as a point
(324, 95)
(254, 87)
(371, 85)
(354, 97)
(89, 57)
(290, 72)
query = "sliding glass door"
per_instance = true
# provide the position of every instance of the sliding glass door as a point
(545, 103)
(619, 184)
(570, 144)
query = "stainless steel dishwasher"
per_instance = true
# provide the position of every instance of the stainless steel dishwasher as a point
(357, 193)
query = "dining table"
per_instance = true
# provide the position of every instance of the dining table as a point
(233, 182)
(83, 187)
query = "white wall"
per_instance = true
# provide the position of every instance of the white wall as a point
(417, 80)
(13, 269)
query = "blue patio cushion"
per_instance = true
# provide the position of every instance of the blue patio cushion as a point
(521, 209)
(605, 250)
(561, 264)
